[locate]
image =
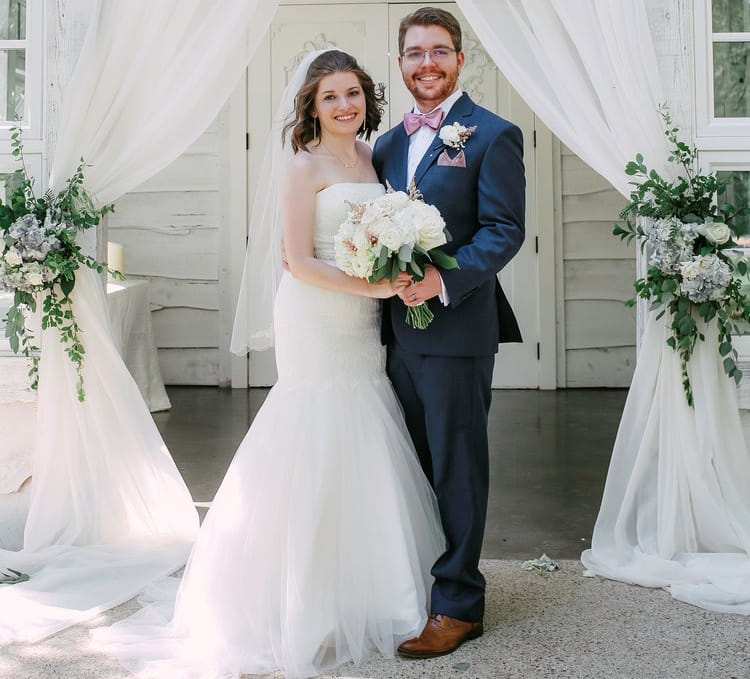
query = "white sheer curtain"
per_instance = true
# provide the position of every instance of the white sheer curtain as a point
(109, 510)
(151, 78)
(673, 514)
(587, 68)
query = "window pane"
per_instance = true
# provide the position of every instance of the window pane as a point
(12, 84)
(731, 16)
(8, 182)
(737, 194)
(12, 19)
(731, 71)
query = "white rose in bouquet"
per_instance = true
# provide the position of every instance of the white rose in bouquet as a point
(33, 274)
(389, 233)
(717, 233)
(431, 229)
(384, 207)
(13, 258)
(362, 263)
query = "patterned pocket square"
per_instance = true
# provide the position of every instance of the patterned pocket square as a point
(458, 161)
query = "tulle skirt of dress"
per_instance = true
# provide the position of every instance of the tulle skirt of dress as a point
(318, 546)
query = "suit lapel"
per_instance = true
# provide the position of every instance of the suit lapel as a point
(463, 108)
(400, 156)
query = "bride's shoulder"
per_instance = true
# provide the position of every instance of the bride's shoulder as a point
(364, 149)
(302, 171)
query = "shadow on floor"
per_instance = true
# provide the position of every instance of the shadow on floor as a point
(549, 452)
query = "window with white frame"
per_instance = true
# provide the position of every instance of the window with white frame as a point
(722, 50)
(21, 72)
(723, 73)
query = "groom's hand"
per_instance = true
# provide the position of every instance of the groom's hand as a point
(430, 286)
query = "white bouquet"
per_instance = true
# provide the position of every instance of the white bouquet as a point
(395, 232)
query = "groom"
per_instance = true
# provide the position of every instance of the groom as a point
(443, 375)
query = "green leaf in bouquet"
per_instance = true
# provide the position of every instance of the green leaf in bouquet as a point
(416, 270)
(382, 256)
(404, 253)
(395, 270)
(67, 283)
(442, 260)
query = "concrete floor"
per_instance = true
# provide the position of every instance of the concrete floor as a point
(549, 455)
(550, 452)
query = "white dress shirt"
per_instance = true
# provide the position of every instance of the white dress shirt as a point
(419, 142)
(422, 139)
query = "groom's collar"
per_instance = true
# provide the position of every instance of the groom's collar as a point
(446, 104)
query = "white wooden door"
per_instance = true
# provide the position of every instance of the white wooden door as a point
(370, 33)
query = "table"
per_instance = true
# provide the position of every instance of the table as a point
(130, 315)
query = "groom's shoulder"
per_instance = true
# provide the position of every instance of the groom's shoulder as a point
(490, 123)
(386, 138)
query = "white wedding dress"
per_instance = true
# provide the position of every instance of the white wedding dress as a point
(319, 543)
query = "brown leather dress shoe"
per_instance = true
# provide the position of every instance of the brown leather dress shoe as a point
(440, 636)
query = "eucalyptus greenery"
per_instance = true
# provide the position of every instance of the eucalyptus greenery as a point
(39, 258)
(695, 273)
(12, 577)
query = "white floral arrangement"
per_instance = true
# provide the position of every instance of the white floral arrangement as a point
(695, 271)
(395, 232)
(39, 257)
(456, 135)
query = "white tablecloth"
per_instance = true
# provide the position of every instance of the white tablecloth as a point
(130, 314)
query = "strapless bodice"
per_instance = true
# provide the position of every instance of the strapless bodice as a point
(331, 210)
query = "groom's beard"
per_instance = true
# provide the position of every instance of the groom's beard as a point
(431, 93)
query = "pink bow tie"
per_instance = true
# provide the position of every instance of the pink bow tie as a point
(413, 121)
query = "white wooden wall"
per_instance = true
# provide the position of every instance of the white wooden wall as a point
(597, 276)
(170, 226)
(171, 229)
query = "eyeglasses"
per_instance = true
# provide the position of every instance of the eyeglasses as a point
(415, 56)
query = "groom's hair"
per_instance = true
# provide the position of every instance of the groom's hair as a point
(302, 126)
(430, 16)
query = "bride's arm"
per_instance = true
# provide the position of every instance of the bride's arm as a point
(298, 223)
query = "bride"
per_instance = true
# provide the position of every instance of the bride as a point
(318, 546)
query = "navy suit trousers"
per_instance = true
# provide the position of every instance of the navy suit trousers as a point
(446, 401)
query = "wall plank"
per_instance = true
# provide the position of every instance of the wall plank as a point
(610, 367)
(606, 279)
(185, 255)
(167, 210)
(600, 206)
(192, 294)
(594, 240)
(190, 366)
(185, 328)
(592, 324)
(580, 178)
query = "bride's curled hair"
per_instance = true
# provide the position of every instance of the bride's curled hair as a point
(302, 127)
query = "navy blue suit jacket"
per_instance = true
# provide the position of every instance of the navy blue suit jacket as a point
(483, 206)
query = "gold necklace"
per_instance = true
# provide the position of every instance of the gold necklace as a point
(347, 165)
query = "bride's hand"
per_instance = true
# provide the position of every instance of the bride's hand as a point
(384, 289)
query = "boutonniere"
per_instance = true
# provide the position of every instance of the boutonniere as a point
(456, 135)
